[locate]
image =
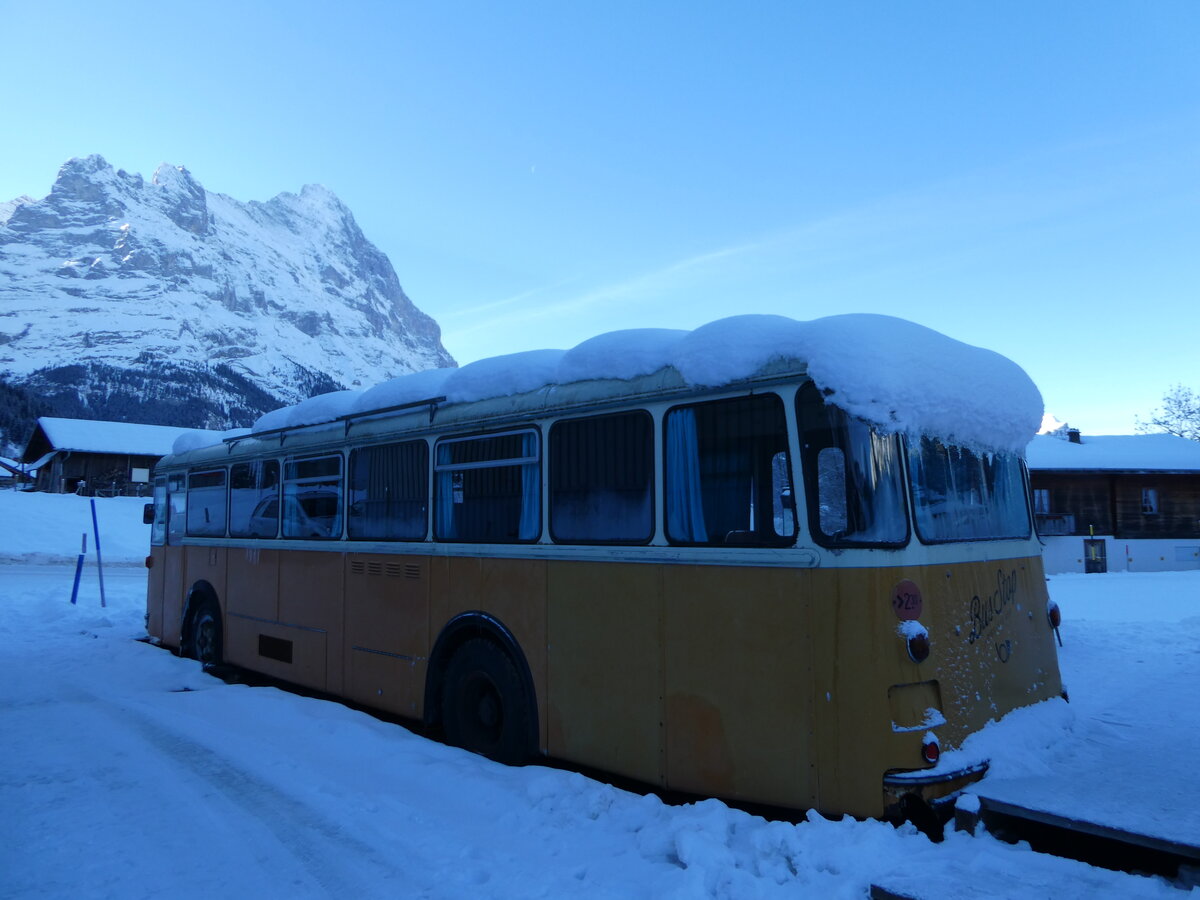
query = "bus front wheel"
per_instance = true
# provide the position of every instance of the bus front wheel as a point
(484, 708)
(204, 634)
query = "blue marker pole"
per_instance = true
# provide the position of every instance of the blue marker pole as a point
(99, 562)
(79, 567)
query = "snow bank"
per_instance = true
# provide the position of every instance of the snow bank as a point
(900, 376)
(49, 528)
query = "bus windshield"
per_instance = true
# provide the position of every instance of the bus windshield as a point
(960, 495)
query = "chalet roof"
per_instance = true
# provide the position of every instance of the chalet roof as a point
(1115, 453)
(90, 436)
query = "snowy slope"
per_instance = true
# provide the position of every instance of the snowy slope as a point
(189, 787)
(111, 273)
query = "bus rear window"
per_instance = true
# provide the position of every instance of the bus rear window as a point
(960, 495)
(852, 477)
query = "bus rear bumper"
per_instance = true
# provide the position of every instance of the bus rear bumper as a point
(909, 793)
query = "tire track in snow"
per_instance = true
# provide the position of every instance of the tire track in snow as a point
(341, 863)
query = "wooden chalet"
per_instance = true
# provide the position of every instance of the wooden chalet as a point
(1115, 503)
(96, 458)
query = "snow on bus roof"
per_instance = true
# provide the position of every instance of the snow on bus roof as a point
(900, 376)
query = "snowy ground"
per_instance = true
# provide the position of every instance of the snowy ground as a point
(127, 772)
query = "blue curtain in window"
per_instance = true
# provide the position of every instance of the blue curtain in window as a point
(445, 496)
(531, 495)
(685, 498)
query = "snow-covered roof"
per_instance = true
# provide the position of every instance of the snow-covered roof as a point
(1115, 452)
(896, 374)
(91, 436)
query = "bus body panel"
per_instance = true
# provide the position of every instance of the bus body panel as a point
(738, 661)
(387, 631)
(606, 686)
(512, 592)
(155, 590)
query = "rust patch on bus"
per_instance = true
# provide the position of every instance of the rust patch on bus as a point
(700, 751)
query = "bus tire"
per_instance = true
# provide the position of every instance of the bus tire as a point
(484, 707)
(205, 642)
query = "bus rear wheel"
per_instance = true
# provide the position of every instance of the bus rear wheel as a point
(204, 639)
(484, 707)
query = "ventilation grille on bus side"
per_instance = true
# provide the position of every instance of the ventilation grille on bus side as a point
(392, 570)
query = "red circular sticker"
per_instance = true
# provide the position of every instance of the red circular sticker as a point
(906, 600)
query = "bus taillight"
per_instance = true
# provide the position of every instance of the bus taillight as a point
(931, 750)
(916, 639)
(1054, 614)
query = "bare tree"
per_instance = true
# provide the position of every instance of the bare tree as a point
(1180, 414)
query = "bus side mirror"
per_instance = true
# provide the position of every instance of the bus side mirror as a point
(148, 514)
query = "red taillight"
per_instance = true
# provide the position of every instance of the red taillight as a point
(918, 646)
(1054, 614)
(931, 750)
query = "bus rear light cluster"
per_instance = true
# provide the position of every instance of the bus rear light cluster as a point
(916, 639)
(931, 750)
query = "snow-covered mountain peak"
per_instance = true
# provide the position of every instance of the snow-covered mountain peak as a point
(110, 274)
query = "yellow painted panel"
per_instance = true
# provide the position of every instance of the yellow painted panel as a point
(606, 667)
(738, 670)
(387, 630)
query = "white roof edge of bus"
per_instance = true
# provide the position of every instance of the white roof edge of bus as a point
(896, 374)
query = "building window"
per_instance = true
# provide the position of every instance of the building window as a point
(389, 489)
(1041, 500)
(489, 489)
(602, 479)
(254, 499)
(1149, 501)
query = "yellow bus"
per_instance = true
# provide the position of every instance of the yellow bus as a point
(719, 577)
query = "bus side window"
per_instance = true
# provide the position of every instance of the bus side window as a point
(389, 492)
(312, 497)
(488, 488)
(176, 508)
(207, 503)
(254, 499)
(726, 469)
(158, 532)
(602, 479)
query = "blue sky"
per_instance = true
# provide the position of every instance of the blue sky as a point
(1023, 176)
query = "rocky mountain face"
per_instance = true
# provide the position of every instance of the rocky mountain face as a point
(163, 303)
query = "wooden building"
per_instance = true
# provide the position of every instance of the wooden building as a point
(101, 458)
(1115, 503)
